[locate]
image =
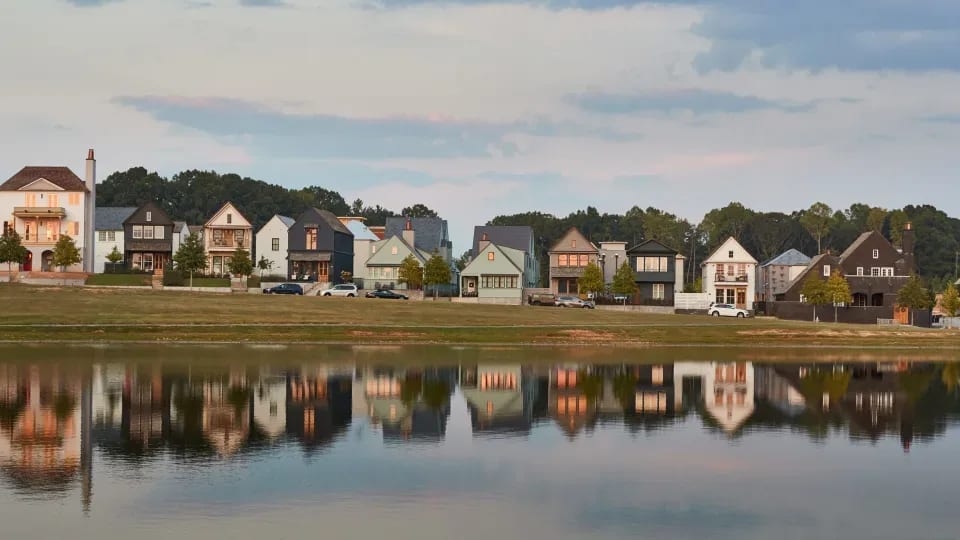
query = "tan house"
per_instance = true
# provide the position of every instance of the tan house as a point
(226, 231)
(568, 259)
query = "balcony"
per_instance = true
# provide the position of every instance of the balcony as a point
(39, 212)
(731, 278)
(566, 271)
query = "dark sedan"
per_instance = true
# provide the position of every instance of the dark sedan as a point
(285, 288)
(384, 293)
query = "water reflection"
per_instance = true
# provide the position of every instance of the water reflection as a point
(53, 417)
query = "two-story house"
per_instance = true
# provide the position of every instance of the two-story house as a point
(874, 268)
(774, 276)
(320, 247)
(612, 255)
(569, 258)
(109, 234)
(658, 271)
(382, 269)
(519, 237)
(729, 275)
(148, 238)
(272, 243)
(496, 274)
(44, 203)
(223, 234)
(363, 241)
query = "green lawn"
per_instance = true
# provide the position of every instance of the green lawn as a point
(115, 280)
(125, 315)
(206, 282)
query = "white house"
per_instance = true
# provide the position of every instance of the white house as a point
(727, 390)
(44, 203)
(109, 233)
(181, 231)
(363, 241)
(730, 275)
(272, 243)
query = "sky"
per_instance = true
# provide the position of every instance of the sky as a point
(478, 108)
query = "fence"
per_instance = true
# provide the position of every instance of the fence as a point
(692, 301)
(796, 311)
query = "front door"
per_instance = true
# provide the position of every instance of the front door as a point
(741, 298)
(28, 262)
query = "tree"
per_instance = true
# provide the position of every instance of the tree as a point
(264, 264)
(592, 279)
(190, 257)
(817, 221)
(898, 220)
(623, 280)
(914, 295)
(65, 253)
(114, 257)
(346, 276)
(240, 264)
(418, 211)
(464, 260)
(838, 290)
(436, 272)
(951, 301)
(876, 217)
(815, 292)
(12, 250)
(410, 272)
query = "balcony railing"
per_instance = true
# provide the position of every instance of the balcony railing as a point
(567, 271)
(731, 278)
(228, 244)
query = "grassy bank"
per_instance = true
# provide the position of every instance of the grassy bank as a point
(117, 280)
(38, 314)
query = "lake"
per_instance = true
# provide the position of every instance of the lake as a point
(476, 443)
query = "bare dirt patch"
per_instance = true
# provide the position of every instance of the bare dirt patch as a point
(587, 335)
(367, 333)
(784, 333)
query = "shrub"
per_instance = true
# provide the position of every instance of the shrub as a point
(253, 282)
(172, 278)
(273, 278)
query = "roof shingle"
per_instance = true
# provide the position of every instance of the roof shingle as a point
(61, 177)
(111, 218)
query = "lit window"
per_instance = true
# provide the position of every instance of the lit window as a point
(53, 201)
(562, 260)
(74, 199)
(826, 270)
(311, 239)
(490, 256)
(584, 260)
(393, 250)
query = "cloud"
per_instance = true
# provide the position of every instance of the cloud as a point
(91, 3)
(263, 3)
(276, 133)
(693, 100)
(943, 118)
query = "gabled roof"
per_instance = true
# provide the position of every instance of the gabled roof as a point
(514, 256)
(791, 257)
(856, 244)
(228, 206)
(383, 256)
(195, 229)
(814, 263)
(512, 236)
(179, 226)
(651, 246)
(360, 231)
(159, 217)
(730, 244)
(288, 221)
(429, 233)
(332, 221)
(61, 177)
(111, 218)
(583, 244)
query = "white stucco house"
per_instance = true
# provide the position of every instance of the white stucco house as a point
(44, 203)
(109, 233)
(730, 275)
(271, 243)
(363, 241)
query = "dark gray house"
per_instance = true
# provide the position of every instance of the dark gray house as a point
(148, 238)
(432, 234)
(320, 247)
(658, 271)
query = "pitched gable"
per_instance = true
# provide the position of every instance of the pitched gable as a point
(219, 219)
(385, 255)
(157, 216)
(511, 236)
(503, 258)
(651, 246)
(41, 184)
(574, 242)
(722, 253)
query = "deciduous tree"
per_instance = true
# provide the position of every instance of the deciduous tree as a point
(623, 280)
(914, 295)
(65, 253)
(817, 221)
(240, 264)
(411, 273)
(951, 301)
(592, 279)
(838, 289)
(190, 257)
(815, 292)
(436, 272)
(12, 250)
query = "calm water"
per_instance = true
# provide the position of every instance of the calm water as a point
(427, 443)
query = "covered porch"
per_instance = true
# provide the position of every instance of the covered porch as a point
(310, 267)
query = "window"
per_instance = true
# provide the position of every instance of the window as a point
(73, 199)
(275, 244)
(393, 250)
(656, 374)
(875, 272)
(75, 228)
(573, 244)
(238, 237)
(311, 239)
(730, 254)
(659, 291)
(53, 201)
(562, 260)
(138, 231)
(719, 298)
(490, 256)
(584, 260)
(859, 270)
(373, 249)
(218, 237)
(147, 261)
(876, 254)
(731, 296)
(158, 232)
(149, 216)
(498, 282)
(217, 266)
(886, 271)
(147, 232)
(229, 219)
(826, 270)
(102, 236)
(652, 264)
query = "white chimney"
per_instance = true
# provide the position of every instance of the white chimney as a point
(90, 209)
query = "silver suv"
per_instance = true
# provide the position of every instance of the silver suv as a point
(346, 289)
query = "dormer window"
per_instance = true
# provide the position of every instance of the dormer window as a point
(876, 254)
(149, 216)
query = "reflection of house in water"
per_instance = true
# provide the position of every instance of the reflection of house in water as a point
(647, 394)
(129, 408)
(225, 419)
(572, 402)
(500, 398)
(43, 447)
(270, 404)
(725, 389)
(318, 406)
(410, 405)
(776, 390)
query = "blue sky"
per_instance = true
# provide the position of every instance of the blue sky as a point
(478, 108)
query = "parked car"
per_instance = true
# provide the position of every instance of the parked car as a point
(542, 299)
(386, 293)
(346, 289)
(727, 310)
(573, 301)
(285, 288)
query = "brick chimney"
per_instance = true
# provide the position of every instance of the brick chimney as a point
(907, 243)
(484, 242)
(408, 235)
(89, 212)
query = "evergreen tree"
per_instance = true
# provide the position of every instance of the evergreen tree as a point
(436, 272)
(410, 272)
(191, 257)
(65, 253)
(623, 280)
(12, 250)
(592, 280)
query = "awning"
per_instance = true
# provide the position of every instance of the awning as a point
(309, 256)
(39, 212)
